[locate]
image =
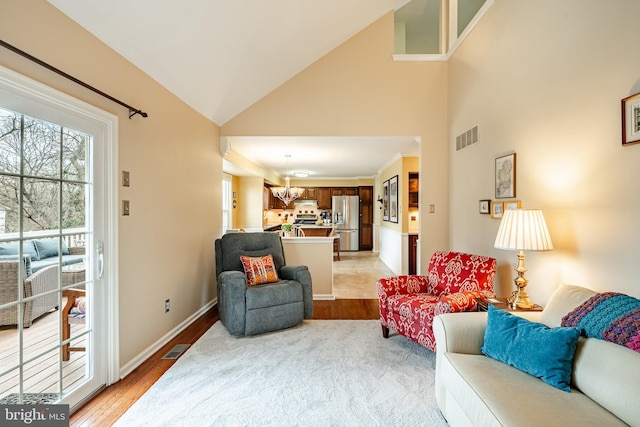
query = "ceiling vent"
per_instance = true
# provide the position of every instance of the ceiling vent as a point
(467, 138)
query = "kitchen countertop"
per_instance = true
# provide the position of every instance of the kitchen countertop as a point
(268, 227)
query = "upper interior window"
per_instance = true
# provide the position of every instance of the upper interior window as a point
(418, 24)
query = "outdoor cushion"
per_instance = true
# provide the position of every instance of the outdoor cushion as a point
(49, 248)
(11, 248)
(66, 260)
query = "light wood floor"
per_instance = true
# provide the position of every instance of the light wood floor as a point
(354, 285)
(41, 344)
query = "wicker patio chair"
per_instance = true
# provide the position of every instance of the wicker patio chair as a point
(40, 282)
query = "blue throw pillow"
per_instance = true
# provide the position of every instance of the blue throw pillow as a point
(48, 248)
(546, 353)
(11, 248)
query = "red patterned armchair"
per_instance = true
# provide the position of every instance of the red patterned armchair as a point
(408, 304)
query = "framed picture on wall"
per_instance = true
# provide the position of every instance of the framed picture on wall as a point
(385, 200)
(512, 204)
(393, 199)
(506, 176)
(497, 209)
(485, 206)
(631, 119)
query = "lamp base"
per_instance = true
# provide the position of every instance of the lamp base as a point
(520, 298)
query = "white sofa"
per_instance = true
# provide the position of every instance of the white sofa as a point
(475, 390)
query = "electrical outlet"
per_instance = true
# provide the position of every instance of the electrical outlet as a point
(167, 305)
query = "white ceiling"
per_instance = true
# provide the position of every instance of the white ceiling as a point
(221, 56)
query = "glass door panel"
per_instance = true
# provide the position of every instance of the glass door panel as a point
(46, 294)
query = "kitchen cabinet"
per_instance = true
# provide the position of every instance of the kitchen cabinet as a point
(324, 197)
(413, 253)
(366, 194)
(310, 193)
(344, 191)
(265, 198)
(269, 201)
(273, 202)
(414, 189)
(366, 218)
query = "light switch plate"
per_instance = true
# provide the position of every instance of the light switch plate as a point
(125, 178)
(125, 207)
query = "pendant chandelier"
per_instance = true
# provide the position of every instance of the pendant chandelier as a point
(287, 193)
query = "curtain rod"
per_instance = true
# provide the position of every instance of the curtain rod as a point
(132, 111)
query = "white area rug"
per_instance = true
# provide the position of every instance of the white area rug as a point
(320, 373)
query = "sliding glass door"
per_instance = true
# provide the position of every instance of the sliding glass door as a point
(53, 292)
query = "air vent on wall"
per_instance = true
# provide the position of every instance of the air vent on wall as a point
(467, 138)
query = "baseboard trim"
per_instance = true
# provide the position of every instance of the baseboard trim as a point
(149, 351)
(324, 297)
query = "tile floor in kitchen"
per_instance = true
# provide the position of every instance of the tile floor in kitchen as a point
(355, 275)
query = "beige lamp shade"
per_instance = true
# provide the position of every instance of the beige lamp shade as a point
(523, 230)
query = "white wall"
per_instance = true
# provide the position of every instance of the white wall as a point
(392, 247)
(249, 202)
(545, 79)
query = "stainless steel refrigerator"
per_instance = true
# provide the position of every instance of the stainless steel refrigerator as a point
(346, 218)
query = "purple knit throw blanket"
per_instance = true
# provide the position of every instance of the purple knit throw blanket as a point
(610, 316)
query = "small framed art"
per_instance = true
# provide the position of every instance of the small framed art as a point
(485, 206)
(506, 176)
(497, 209)
(512, 204)
(631, 119)
(393, 199)
(385, 200)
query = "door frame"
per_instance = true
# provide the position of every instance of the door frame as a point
(20, 93)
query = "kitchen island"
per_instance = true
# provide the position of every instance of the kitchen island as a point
(317, 254)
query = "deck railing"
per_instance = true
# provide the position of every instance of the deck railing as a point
(71, 236)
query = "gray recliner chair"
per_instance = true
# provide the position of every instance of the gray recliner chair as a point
(251, 310)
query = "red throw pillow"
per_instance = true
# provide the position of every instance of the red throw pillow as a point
(259, 270)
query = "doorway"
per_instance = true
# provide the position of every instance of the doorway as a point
(57, 157)
(355, 275)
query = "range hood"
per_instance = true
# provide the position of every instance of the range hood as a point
(305, 202)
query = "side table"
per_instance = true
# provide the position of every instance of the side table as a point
(501, 303)
(73, 273)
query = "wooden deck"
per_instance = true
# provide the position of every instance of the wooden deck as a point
(41, 371)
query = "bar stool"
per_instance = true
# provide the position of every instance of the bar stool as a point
(336, 246)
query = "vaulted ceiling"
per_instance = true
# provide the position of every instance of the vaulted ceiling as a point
(221, 56)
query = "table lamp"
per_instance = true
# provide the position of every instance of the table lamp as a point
(522, 230)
